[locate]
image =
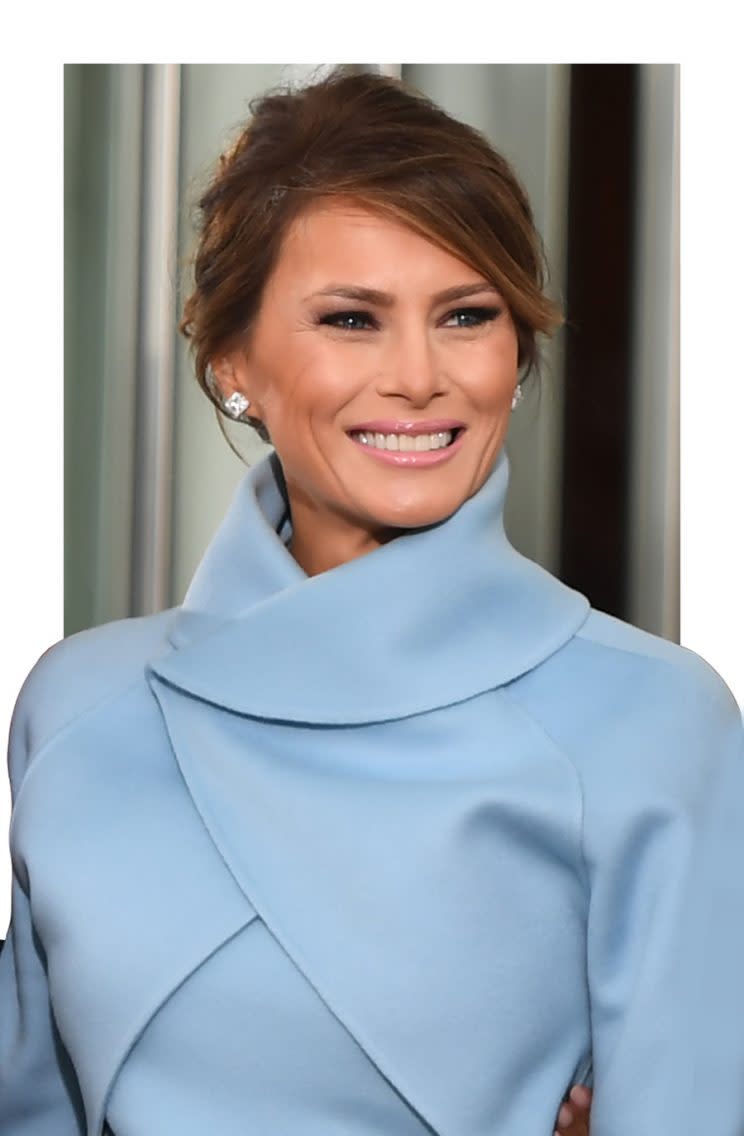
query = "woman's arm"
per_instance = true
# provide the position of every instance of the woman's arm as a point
(664, 846)
(38, 1091)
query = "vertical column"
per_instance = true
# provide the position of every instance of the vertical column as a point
(118, 336)
(654, 487)
(157, 329)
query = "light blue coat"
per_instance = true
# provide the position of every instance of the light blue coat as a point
(389, 850)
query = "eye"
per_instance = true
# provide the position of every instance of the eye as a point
(349, 321)
(472, 317)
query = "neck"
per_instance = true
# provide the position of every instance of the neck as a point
(319, 546)
(320, 542)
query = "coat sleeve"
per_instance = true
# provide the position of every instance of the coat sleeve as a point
(38, 1090)
(665, 949)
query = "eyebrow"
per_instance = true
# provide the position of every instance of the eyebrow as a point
(385, 300)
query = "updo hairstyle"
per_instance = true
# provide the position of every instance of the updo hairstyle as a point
(370, 137)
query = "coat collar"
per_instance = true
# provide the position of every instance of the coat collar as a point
(434, 617)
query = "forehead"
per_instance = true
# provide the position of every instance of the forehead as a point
(342, 214)
(340, 240)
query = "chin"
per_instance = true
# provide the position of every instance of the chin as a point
(419, 514)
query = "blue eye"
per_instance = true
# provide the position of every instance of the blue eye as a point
(363, 321)
(349, 321)
(474, 316)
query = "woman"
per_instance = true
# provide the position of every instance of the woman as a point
(383, 829)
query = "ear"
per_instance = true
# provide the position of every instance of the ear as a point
(233, 373)
(224, 376)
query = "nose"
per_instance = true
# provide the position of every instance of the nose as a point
(412, 369)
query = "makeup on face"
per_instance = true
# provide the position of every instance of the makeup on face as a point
(383, 367)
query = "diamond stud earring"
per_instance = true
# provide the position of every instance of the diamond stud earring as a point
(236, 404)
(517, 396)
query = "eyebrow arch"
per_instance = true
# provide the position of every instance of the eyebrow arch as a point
(385, 300)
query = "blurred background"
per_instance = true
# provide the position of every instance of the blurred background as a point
(594, 448)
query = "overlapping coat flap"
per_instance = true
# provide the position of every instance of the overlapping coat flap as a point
(134, 896)
(388, 884)
(278, 684)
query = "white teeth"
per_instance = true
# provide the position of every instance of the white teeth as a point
(406, 442)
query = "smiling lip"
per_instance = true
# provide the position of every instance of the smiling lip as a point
(413, 459)
(390, 426)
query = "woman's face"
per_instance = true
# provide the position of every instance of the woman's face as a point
(370, 336)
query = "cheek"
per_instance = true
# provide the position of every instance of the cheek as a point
(492, 375)
(300, 404)
(321, 388)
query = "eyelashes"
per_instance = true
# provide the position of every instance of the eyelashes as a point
(478, 315)
(349, 321)
(362, 321)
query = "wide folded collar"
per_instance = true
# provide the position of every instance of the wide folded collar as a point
(431, 618)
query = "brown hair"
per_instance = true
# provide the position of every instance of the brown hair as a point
(371, 137)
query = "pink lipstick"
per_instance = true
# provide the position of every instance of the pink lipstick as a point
(409, 426)
(410, 459)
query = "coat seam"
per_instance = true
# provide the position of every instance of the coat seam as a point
(32, 757)
(519, 705)
(710, 682)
